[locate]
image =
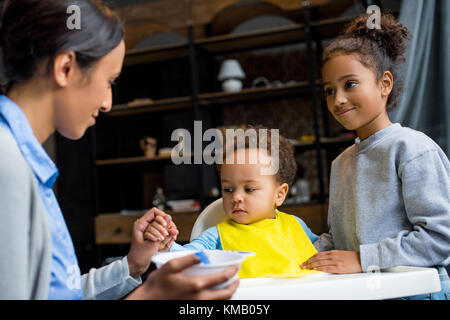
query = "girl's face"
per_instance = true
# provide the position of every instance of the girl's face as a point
(86, 96)
(354, 97)
(249, 196)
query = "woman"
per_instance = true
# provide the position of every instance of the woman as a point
(58, 79)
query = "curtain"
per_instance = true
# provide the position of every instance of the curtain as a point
(425, 103)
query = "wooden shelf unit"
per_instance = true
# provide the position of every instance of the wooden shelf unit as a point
(115, 228)
(277, 36)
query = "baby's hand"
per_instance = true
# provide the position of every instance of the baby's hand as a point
(162, 231)
(157, 230)
(166, 244)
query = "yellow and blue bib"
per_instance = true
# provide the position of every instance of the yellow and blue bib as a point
(280, 244)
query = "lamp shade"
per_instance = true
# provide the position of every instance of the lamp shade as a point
(231, 69)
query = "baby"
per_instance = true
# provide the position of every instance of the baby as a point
(250, 199)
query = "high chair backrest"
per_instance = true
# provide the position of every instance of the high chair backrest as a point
(209, 217)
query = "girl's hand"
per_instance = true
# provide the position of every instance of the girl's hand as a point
(141, 250)
(334, 261)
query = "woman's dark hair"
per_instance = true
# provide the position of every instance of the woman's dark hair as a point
(34, 32)
(379, 49)
(287, 166)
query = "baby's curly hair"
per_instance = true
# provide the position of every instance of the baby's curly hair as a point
(378, 49)
(287, 167)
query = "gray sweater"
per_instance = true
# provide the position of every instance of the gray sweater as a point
(390, 200)
(25, 242)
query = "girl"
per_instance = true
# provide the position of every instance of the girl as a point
(390, 192)
(56, 79)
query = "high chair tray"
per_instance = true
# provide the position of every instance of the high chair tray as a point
(390, 283)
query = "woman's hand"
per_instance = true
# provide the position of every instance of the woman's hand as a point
(334, 261)
(141, 250)
(170, 283)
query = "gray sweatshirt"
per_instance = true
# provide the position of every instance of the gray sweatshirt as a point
(390, 200)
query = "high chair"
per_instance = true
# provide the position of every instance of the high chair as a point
(209, 217)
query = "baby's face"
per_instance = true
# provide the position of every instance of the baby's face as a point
(249, 196)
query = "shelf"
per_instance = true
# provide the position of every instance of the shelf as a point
(285, 35)
(287, 89)
(294, 33)
(158, 105)
(131, 160)
(211, 99)
(159, 53)
(141, 160)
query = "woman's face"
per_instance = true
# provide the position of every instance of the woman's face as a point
(87, 95)
(354, 97)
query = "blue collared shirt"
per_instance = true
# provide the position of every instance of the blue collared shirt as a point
(65, 273)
